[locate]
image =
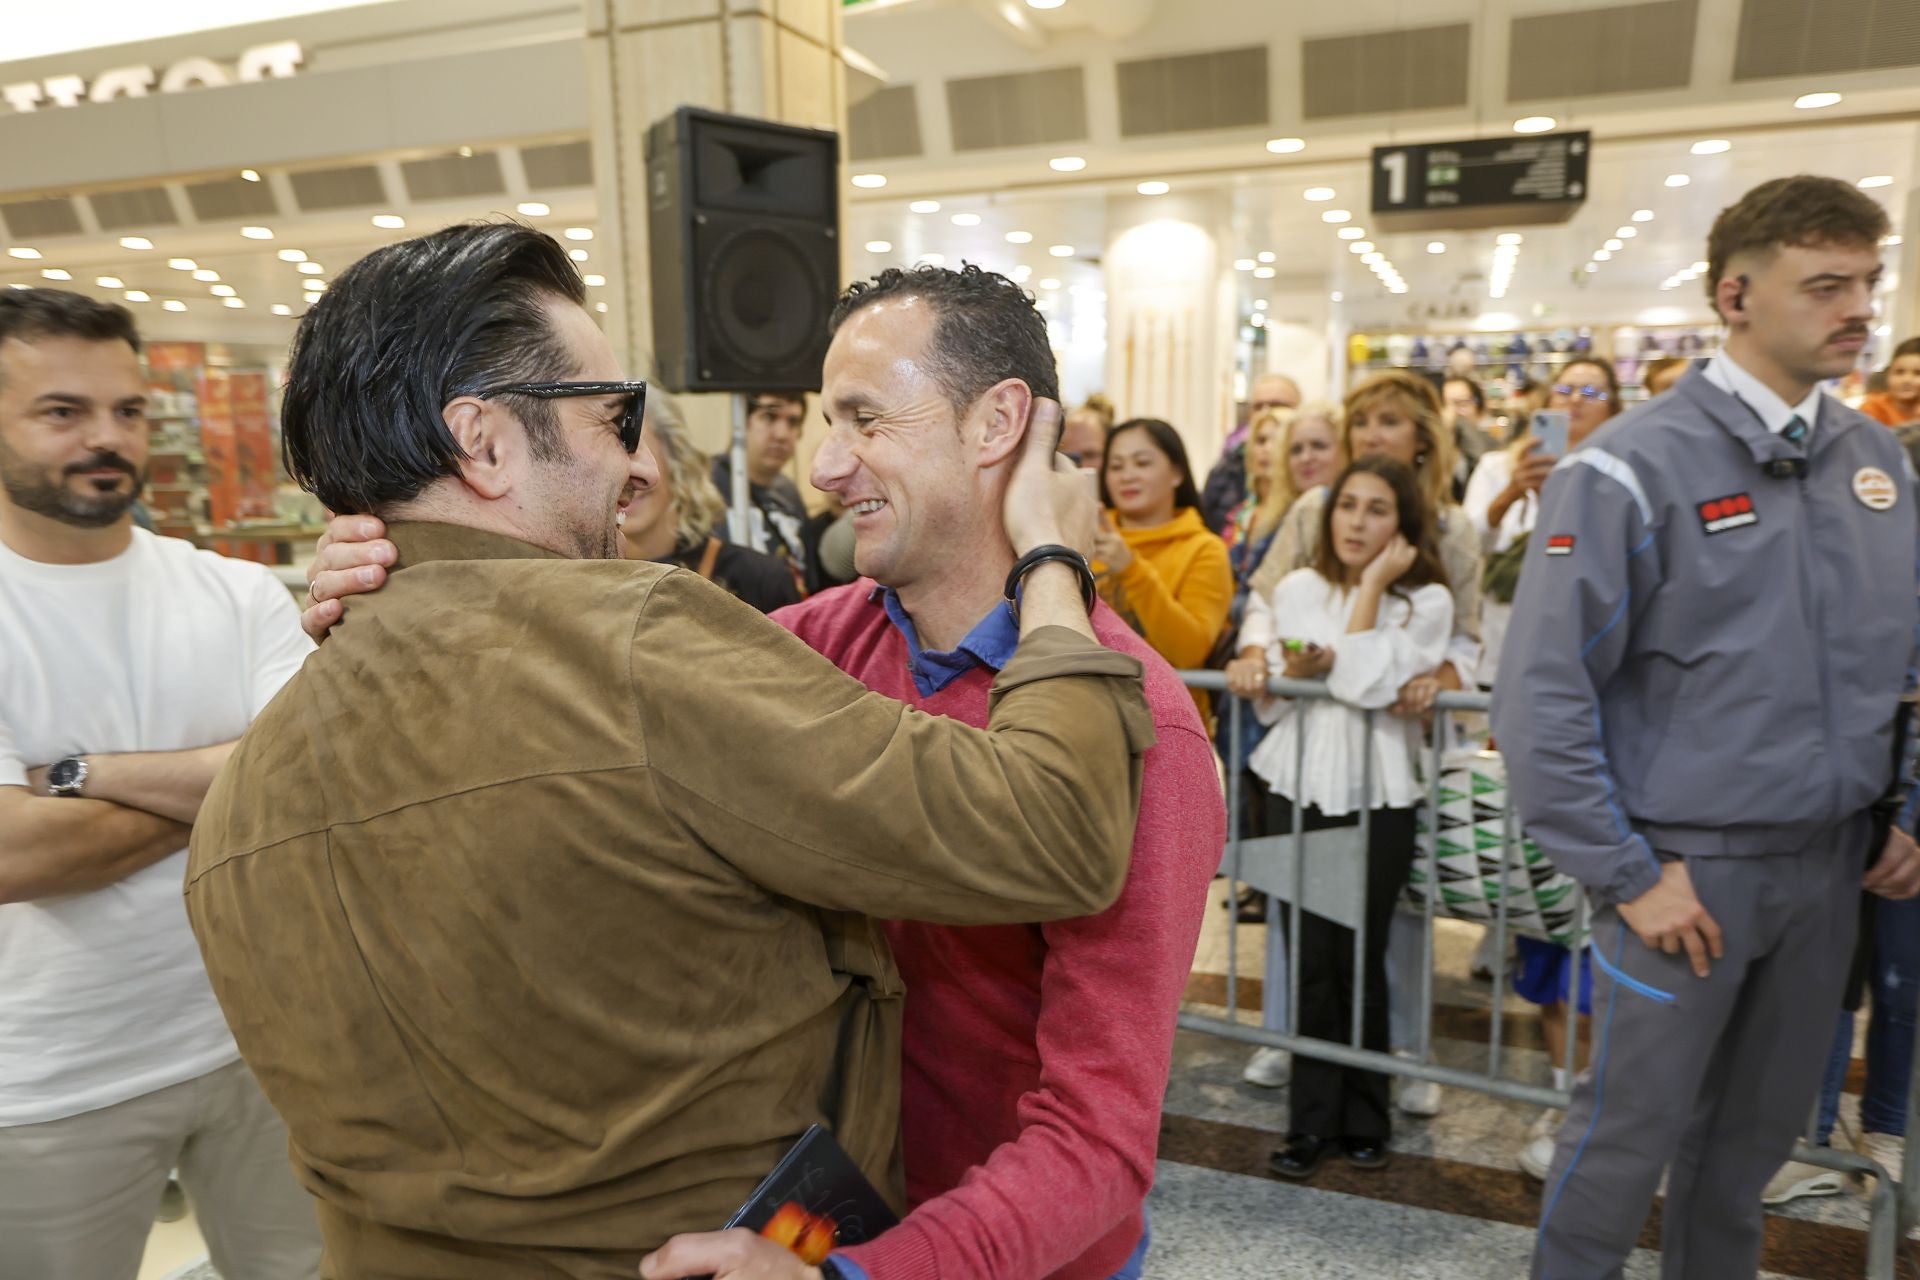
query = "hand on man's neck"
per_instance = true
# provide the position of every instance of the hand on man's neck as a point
(43, 539)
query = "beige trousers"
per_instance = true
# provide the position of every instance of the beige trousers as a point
(78, 1195)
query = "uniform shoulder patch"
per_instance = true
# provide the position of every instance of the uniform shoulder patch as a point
(1735, 511)
(1560, 544)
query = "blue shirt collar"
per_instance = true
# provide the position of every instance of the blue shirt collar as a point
(990, 644)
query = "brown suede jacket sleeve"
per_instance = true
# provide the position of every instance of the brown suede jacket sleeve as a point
(820, 790)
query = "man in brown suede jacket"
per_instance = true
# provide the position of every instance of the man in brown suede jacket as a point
(538, 901)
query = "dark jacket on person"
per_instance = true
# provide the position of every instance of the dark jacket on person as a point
(754, 577)
(1226, 489)
(540, 901)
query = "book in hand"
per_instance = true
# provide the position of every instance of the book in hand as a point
(815, 1200)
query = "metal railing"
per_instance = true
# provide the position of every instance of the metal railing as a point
(1305, 870)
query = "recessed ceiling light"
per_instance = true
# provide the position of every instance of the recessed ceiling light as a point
(1678, 179)
(925, 206)
(55, 273)
(1436, 246)
(594, 281)
(173, 304)
(257, 233)
(21, 251)
(1257, 320)
(292, 255)
(1627, 233)
(1019, 237)
(966, 219)
(205, 274)
(1643, 215)
(870, 181)
(1267, 256)
(1336, 215)
(234, 303)
(249, 175)
(1067, 164)
(1372, 256)
(1534, 124)
(138, 295)
(310, 269)
(1814, 101)
(465, 153)
(314, 286)
(1061, 251)
(389, 221)
(601, 307)
(1244, 264)
(1698, 267)
(135, 242)
(1260, 304)
(1045, 4)
(1601, 255)
(1049, 284)
(1286, 146)
(879, 246)
(183, 264)
(1508, 237)
(1153, 188)
(110, 282)
(281, 309)
(1877, 180)
(535, 208)
(1891, 241)
(1361, 246)
(579, 233)
(1317, 194)
(578, 255)
(1711, 146)
(1337, 296)
(1615, 246)
(1592, 266)
(1353, 233)
(1263, 273)
(223, 291)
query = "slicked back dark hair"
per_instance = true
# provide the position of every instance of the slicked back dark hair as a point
(31, 314)
(986, 328)
(401, 333)
(1802, 210)
(1167, 441)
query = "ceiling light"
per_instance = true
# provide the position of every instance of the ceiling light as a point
(1353, 233)
(534, 208)
(292, 255)
(1019, 237)
(314, 286)
(389, 221)
(21, 251)
(1286, 146)
(1263, 273)
(465, 153)
(1336, 215)
(183, 264)
(1244, 264)
(1615, 246)
(110, 282)
(257, 233)
(601, 307)
(55, 273)
(1049, 284)
(1877, 180)
(205, 274)
(870, 181)
(1045, 4)
(1678, 179)
(138, 295)
(1267, 257)
(1260, 304)
(281, 309)
(879, 246)
(1643, 215)
(1317, 194)
(578, 255)
(1509, 237)
(1534, 124)
(1602, 255)
(1066, 164)
(579, 233)
(310, 269)
(1627, 233)
(1061, 251)
(1361, 246)
(1153, 188)
(1396, 288)
(1436, 246)
(1698, 267)
(1337, 296)
(173, 304)
(1814, 101)
(223, 291)
(234, 303)
(1891, 241)
(135, 242)
(1257, 320)
(594, 281)
(925, 206)
(966, 219)
(1711, 146)
(1373, 256)
(1593, 266)
(1022, 273)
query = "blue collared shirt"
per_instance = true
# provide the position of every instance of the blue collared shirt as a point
(990, 644)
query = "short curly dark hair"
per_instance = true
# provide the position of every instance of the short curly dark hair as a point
(986, 328)
(1801, 210)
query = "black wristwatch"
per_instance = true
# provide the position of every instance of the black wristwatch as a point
(1041, 555)
(67, 777)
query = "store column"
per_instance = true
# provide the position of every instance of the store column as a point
(774, 59)
(1170, 317)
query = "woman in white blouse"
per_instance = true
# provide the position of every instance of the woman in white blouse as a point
(1371, 612)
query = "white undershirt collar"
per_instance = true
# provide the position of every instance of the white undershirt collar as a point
(1774, 413)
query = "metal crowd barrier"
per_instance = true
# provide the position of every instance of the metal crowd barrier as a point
(1306, 870)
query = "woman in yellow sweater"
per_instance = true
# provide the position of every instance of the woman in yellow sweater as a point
(1160, 567)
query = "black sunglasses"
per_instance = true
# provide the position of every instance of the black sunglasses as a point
(636, 393)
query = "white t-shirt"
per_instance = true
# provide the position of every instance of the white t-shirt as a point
(1410, 636)
(102, 995)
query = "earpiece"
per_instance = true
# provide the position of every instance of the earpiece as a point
(1740, 298)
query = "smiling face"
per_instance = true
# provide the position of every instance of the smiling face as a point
(1313, 453)
(73, 429)
(1141, 478)
(1584, 394)
(1366, 515)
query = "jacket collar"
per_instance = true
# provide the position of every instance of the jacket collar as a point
(1744, 425)
(419, 541)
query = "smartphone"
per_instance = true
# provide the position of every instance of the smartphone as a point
(1550, 428)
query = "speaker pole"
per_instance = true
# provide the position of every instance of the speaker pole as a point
(743, 531)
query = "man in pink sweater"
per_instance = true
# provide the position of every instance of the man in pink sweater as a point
(1035, 1057)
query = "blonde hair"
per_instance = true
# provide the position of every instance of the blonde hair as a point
(1416, 397)
(1281, 494)
(1100, 407)
(697, 504)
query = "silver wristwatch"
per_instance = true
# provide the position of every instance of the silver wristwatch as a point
(67, 777)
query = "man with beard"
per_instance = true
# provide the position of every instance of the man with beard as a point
(129, 664)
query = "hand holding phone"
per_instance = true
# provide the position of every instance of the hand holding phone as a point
(1551, 428)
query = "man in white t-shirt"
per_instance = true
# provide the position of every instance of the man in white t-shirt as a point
(129, 665)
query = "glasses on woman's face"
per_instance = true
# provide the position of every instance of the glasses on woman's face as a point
(630, 417)
(1586, 392)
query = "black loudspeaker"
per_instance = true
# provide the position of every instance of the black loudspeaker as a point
(744, 220)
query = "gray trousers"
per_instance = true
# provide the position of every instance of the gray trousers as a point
(1709, 1079)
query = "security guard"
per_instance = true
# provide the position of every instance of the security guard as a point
(1711, 638)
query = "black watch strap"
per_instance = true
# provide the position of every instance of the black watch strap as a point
(1041, 555)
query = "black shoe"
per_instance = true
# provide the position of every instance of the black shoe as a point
(1301, 1158)
(1365, 1153)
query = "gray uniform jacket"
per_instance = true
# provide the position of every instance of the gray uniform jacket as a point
(1706, 659)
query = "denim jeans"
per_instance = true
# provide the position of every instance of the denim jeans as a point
(1894, 989)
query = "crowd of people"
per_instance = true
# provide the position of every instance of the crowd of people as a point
(580, 946)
